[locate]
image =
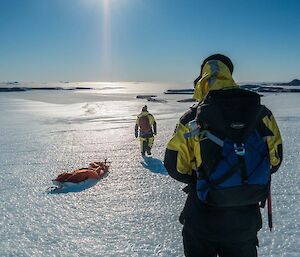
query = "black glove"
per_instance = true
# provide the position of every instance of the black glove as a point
(187, 189)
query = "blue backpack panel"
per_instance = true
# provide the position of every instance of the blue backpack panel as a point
(240, 177)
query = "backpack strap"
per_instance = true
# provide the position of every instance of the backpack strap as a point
(203, 134)
(214, 138)
(242, 162)
(239, 147)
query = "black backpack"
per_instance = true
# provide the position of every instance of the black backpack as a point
(235, 169)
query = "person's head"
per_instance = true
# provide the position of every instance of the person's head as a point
(145, 108)
(215, 74)
(217, 57)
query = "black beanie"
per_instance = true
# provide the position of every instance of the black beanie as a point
(220, 57)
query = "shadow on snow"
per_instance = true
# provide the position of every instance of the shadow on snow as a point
(73, 187)
(154, 165)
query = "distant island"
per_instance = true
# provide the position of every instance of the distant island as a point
(273, 87)
(261, 87)
(179, 91)
(294, 82)
(18, 89)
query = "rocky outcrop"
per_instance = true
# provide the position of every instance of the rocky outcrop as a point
(294, 82)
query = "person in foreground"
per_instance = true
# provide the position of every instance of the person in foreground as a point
(225, 148)
(145, 128)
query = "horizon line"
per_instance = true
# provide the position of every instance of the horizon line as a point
(12, 82)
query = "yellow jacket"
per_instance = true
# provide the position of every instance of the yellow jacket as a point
(183, 156)
(151, 122)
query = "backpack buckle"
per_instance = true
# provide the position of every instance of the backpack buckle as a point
(239, 149)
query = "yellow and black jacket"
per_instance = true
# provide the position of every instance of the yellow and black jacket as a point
(145, 124)
(184, 156)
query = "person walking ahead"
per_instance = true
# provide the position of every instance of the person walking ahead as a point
(225, 148)
(145, 128)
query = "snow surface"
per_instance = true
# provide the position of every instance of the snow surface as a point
(134, 210)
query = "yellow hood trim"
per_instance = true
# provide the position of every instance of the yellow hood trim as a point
(143, 114)
(215, 76)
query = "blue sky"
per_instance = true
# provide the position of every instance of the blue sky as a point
(147, 40)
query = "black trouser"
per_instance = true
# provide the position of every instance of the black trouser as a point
(145, 145)
(205, 248)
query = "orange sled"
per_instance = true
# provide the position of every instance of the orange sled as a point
(79, 177)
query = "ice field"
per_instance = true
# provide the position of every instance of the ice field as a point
(134, 210)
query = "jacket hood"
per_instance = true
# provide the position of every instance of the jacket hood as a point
(143, 113)
(215, 76)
